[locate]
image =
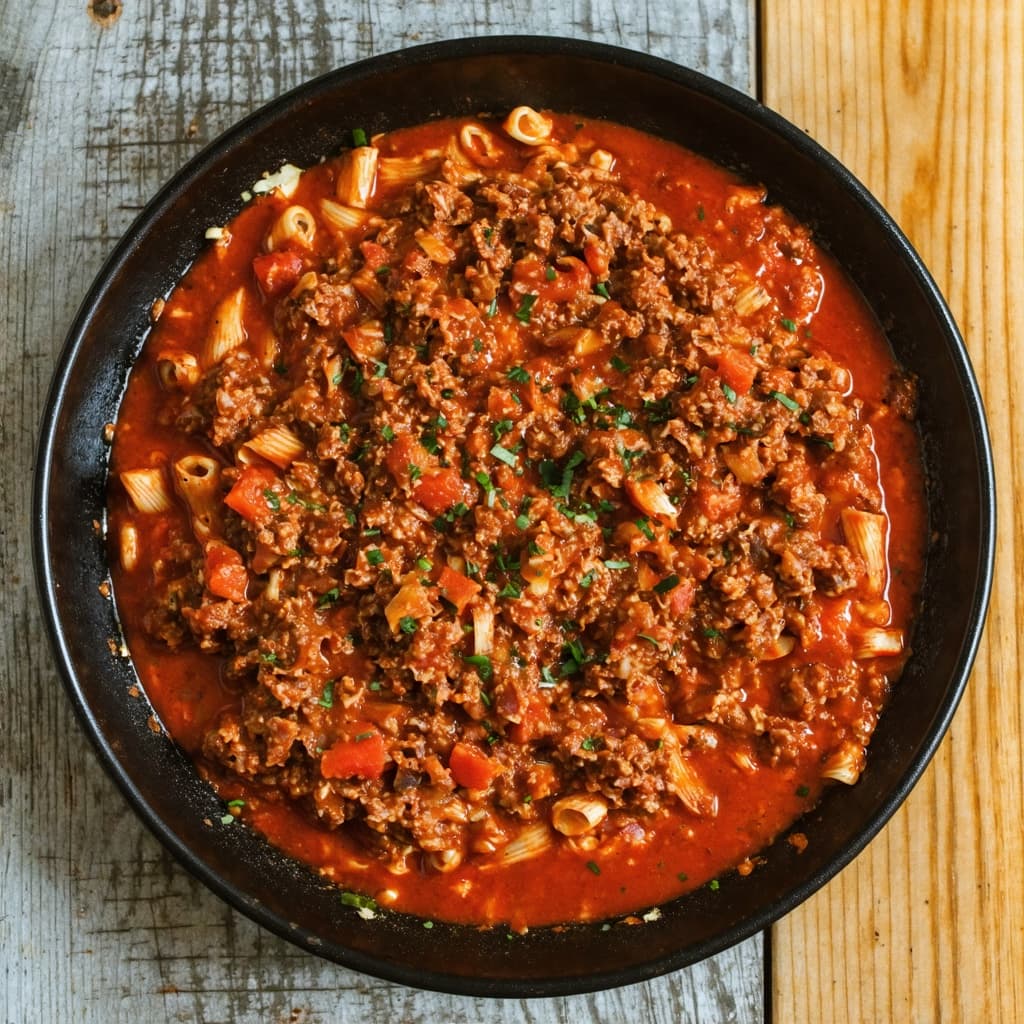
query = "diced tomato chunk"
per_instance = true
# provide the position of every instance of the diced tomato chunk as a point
(471, 767)
(406, 451)
(596, 259)
(438, 491)
(249, 495)
(682, 597)
(535, 720)
(737, 369)
(362, 756)
(375, 255)
(277, 272)
(224, 571)
(559, 282)
(457, 588)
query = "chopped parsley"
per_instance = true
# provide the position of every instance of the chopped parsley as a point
(492, 309)
(803, 791)
(482, 664)
(586, 581)
(785, 400)
(788, 325)
(619, 364)
(327, 697)
(332, 596)
(518, 375)
(644, 526)
(559, 481)
(358, 137)
(374, 556)
(616, 563)
(730, 394)
(549, 273)
(407, 624)
(593, 868)
(358, 900)
(272, 500)
(424, 564)
(387, 433)
(602, 289)
(502, 454)
(667, 584)
(511, 589)
(525, 308)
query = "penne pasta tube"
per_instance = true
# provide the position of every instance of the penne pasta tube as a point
(533, 840)
(528, 126)
(295, 226)
(176, 369)
(147, 489)
(197, 481)
(227, 331)
(278, 445)
(683, 780)
(582, 812)
(483, 629)
(357, 178)
(404, 170)
(865, 533)
(344, 218)
(479, 145)
(876, 642)
(750, 299)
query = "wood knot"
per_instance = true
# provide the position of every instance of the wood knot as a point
(105, 12)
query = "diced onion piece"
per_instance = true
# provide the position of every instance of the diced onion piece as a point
(411, 602)
(602, 160)
(437, 251)
(294, 227)
(368, 284)
(865, 534)
(650, 497)
(743, 196)
(285, 179)
(147, 489)
(528, 126)
(536, 572)
(533, 840)
(272, 591)
(357, 176)
(344, 218)
(227, 331)
(845, 764)
(751, 299)
(483, 629)
(876, 642)
(744, 464)
(366, 340)
(177, 369)
(743, 760)
(128, 545)
(405, 170)
(278, 445)
(577, 814)
(651, 728)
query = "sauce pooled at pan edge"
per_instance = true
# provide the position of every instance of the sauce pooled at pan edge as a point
(517, 523)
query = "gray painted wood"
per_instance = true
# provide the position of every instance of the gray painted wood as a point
(97, 923)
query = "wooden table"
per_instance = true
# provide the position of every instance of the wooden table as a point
(100, 105)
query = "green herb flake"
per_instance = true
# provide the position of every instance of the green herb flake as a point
(714, 885)
(730, 395)
(683, 876)
(327, 697)
(272, 500)
(502, 454)
(593, 868)
(492, 308)
(428, 924)
(547, 679)
(788, 325)
(414, 471)
(650, 639)
(667, 584)
(236, 803)
(360, 737)
(644, 526)
(518, 375)
(269, 657)
(712, 634)
(407, 624)
(601, 288)
(587, 581)
(619, 364)
(512, 590)
(700, 211)
(227, 819)
(424, 564)
(616, 563)
(358, 137)
(482, 664)
(374, 556)
(332, 596)
(785, 400)
(803, 791)
(387, 433)
(358, 900)
(549, 273)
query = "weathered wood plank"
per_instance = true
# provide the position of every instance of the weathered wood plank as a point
(925, 102)
(97, 923)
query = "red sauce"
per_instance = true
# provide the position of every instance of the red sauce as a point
(650, 859)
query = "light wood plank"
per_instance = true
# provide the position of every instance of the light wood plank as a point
(924, 101)
(97, 923)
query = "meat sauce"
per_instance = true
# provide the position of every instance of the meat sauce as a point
(517, 523)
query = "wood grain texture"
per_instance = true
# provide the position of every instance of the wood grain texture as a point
(924, 101)
(97, 923)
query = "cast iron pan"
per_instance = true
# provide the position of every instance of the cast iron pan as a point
(408, 87)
